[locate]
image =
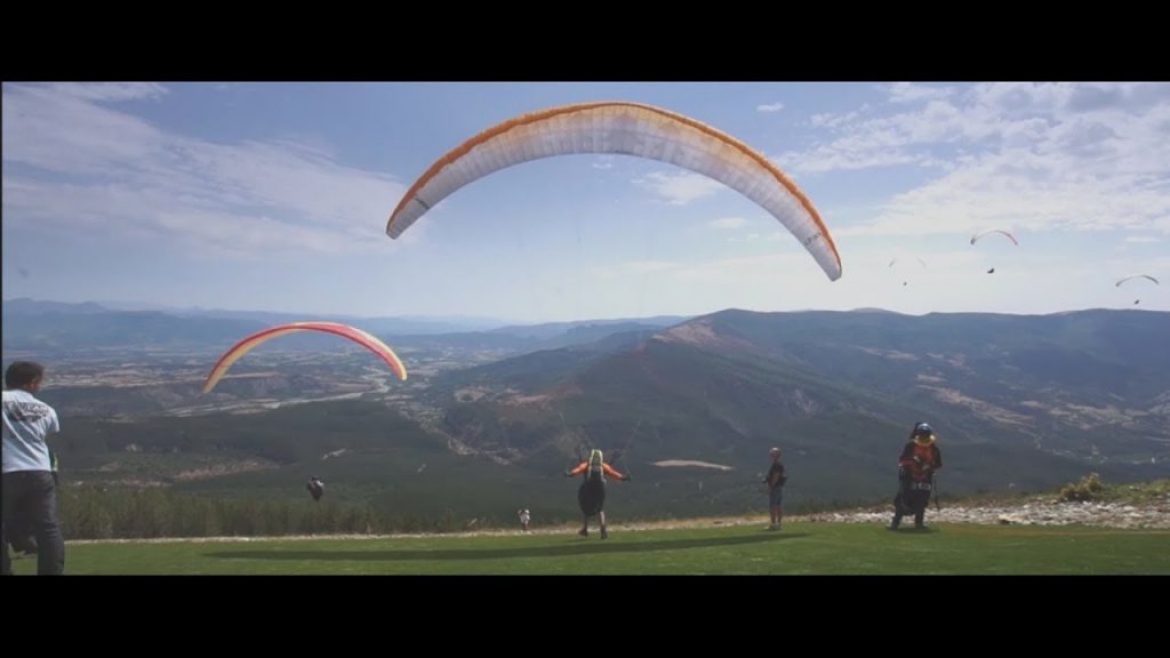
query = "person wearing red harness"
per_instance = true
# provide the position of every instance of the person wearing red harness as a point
(916, 467)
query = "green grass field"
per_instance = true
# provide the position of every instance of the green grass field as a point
(801, 548)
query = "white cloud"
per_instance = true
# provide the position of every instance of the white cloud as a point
(770, 107)
(681, 188)
(645, 266)
(1038, 157)
(728, 223)
(835, 120)
(633, 268)
(908, 92)
(110, 171)
(837, 158)
(146, 214)
(1025, 190)
(111, 91)
(987, 116)
(883, 141)
(774, 236)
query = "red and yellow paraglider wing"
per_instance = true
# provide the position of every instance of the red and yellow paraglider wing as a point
(357, 335)
(381, 349)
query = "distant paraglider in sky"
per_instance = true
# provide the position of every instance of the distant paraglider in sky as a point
(358, 336)
(1137, 276)
(904, 269)
(980, 236)
(1133, 277)
(626, 128)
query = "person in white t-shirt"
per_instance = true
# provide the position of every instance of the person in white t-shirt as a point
(30, 488)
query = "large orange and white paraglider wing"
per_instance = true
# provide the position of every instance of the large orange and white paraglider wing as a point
(631, 129)
(360, 337)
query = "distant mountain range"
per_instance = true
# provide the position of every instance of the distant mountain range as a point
(694, 404)
(42, 325)
(1017, 400)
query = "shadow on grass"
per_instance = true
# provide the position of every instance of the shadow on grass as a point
(580, 547)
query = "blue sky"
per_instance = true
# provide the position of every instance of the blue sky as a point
(275, 196)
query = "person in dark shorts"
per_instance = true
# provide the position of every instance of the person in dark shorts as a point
(775, 480)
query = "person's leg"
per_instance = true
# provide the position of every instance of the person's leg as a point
(14, 515)
(19, 533)
(22, 540)
(922, 498)
(898, 510)
(604, 533)
(585, 502)
(46, 525)
(8, 500)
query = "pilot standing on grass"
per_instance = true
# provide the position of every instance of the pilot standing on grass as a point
(775, 481)
(916, 468)
(29, 484)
